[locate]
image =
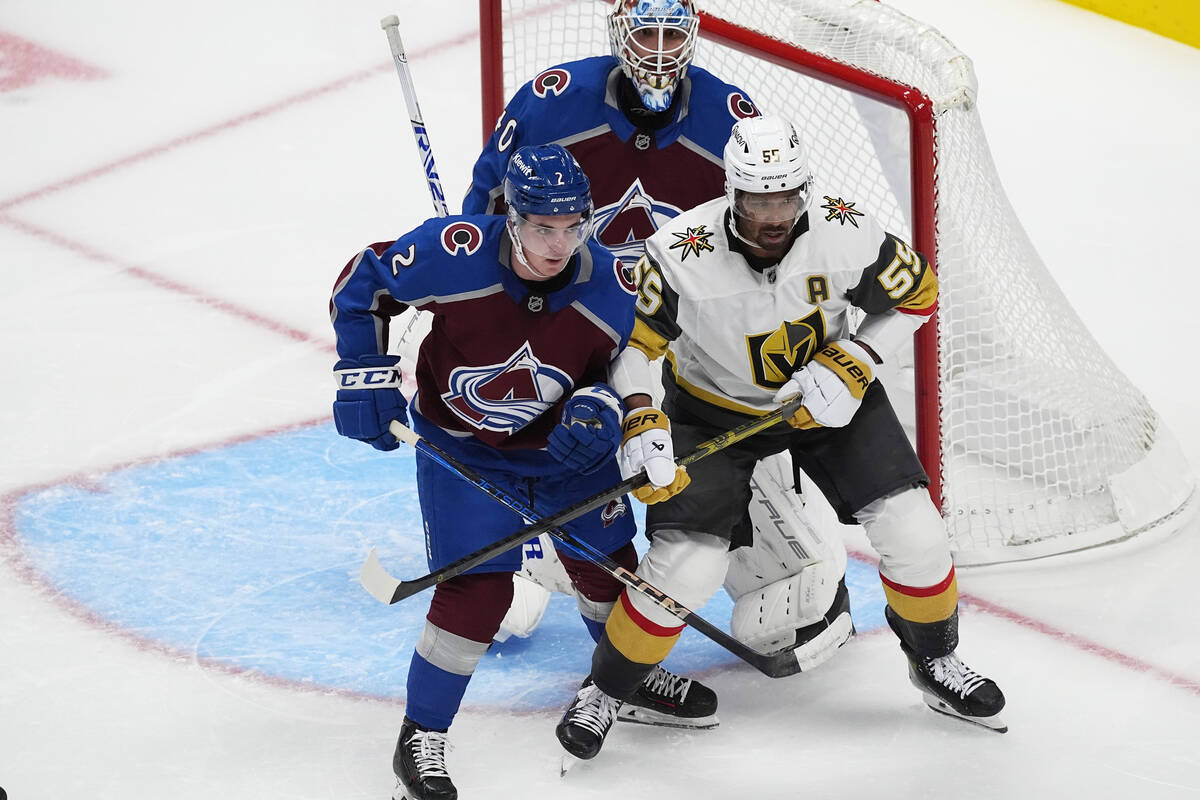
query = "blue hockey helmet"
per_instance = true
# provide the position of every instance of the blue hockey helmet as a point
(546, 180)
(654, 40)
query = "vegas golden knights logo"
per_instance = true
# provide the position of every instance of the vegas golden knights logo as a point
(775, 355)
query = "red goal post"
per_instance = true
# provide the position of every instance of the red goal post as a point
(1034, 442)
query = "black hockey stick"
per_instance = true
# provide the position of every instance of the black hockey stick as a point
(389, 590)
(775, 665)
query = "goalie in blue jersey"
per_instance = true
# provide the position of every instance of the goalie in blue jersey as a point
(646, 124)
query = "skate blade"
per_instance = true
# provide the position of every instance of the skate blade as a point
(992, 723)
(568, 761)
(646, 716)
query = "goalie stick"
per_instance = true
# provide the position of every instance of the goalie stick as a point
(391, 27)
(387, 589)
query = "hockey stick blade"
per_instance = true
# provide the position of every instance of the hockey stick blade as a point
(704, 449)
(376, 580)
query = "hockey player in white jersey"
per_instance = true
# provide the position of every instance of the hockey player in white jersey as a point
(749, 297)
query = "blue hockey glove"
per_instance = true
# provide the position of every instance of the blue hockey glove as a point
(590, 431)
(368, 399)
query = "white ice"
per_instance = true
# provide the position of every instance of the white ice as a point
(169, 233)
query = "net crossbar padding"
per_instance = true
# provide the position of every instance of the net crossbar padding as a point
(1034, 441)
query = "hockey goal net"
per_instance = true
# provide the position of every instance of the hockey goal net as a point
(1035, 442)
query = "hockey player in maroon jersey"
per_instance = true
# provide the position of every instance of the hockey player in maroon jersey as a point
(646, 124)
(749, 297)
(528, 313)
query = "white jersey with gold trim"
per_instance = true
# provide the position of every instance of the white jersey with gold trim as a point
(734, 334)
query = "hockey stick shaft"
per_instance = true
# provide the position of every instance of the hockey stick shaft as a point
(391, 27)
(775, 666)
(402, 589)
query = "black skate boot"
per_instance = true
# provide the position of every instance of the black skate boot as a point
(586, 722)
(951, 687)
(420, 765)
(671, 700)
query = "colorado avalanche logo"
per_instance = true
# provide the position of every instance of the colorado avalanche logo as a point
(461, 237)
(623, 226)
(614, 510)
(741, 107)
(505, 397)
(553, 81)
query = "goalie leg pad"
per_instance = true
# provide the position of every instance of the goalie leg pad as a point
(817, 643)
(541, 574)
(796, 612)
(789, 587)
(525, 613)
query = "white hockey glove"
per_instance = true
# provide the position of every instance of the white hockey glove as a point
(832, 384)
(647, 445)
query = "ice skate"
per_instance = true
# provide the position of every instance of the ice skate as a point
(671, 700)
(420, 765)
(586, 721)
(951, 687)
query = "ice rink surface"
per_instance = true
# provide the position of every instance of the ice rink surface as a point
(181, 528)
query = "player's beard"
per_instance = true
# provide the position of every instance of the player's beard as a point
(773, 236)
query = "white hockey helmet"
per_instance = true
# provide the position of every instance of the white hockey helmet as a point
(654, 40)
(764, 155)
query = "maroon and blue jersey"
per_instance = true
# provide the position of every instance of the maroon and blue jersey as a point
(640, 178)
(503, 354)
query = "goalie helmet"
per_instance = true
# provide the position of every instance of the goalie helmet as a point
(764, 156)
(654, 40)
(546, 180)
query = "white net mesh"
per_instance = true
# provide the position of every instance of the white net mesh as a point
(1046, 446)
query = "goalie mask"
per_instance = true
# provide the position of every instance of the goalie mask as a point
(543, 182)
(654, 40)
(768, 180)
